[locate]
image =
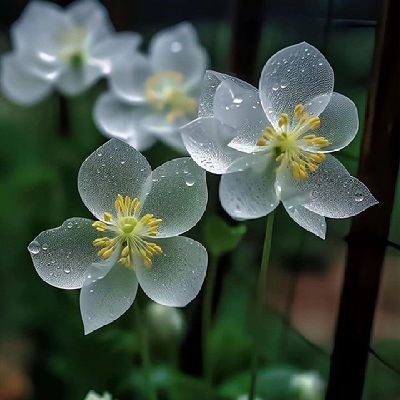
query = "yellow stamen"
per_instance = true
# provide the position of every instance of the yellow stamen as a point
(298, 110)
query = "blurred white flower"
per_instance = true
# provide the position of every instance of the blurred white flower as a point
(273, 145)
(94, 396)
(308, 386)
(246, 397)
(135, 240)
(151, 96)
(67, 49)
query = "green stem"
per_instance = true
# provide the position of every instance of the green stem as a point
(261, 290)
(144, 352)
(206, 316)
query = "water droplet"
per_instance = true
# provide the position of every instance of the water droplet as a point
(190, 182)
(34, 247)
(45, 246)
(123, 162)
(70, 225)
(275, 87)
(284, 84)
(67, 270)
(237, 100)
(99, 154)
(358, 197)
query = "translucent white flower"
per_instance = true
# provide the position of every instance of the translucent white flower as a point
(135, 240)
(273, 145)
(308, 386)
(151, 96)
(94, 396)
(67, 49)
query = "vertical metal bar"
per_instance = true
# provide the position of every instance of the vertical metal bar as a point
(379, 164)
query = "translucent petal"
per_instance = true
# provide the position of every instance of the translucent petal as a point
(177, 275)
(114, 168)
(307, 219)
(250, 193)
(120, 120)
(178, 196)
(127, 80)
(177, 49)
(62, 255)
(295, 75)
(106, 295)
(114, 50)
(92, 15)
(175, 142)
(19, 86)
(235, 105)
(210, 84)
(157, 123)
(330, 191)
(339, 123)
(38, 29)
(206, 141)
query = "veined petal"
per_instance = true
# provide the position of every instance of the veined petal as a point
(18, 85)
(250, 193)
(127, 80)
(106, 294)
(339, 123)
(63, 255)
(234, 105)
(307, 219)
(177, 49)
(114, 168)
(120, 120)
(177, 275)
(178, 196)
(206, 141)
(292, 76)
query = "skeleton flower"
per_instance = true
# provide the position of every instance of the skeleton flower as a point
(274, 144)
(64, 49)
(94, 396)
(135, 239)
(151, 96)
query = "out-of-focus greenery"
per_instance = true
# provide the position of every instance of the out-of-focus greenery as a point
(38, 170)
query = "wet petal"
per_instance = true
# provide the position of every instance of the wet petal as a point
(120, 120)
(106, 295)
(74, 81)
(250, 193)
(18, 85)
(295, 75)
(177, 275)
(157, 123)
(206, 141)
(128, 79)
(235, 105)
(307, 219)
(62, 255)
(178, 196)
(339, 123)
(114, 168)
(177, 49)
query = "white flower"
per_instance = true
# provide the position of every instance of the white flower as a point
(273, 145)
(308, 386)
(135, 240)
(66, 49)
(94, 396)
(152, 96)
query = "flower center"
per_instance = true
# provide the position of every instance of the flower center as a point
(73, 46)
(290, 139)
(129, 233)
(165, 92)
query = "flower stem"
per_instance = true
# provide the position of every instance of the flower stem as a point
(261, 289)
(144, 352)
(206, 317)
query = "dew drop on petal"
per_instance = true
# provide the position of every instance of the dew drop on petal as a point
(358, 197)
(67, 270)
(45, 246)
(34, 247)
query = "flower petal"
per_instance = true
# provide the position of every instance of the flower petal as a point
(114, 168)
(120, 120)
(250, 193)
(177, 275)
(292, 76)
(157, 123)
(307, 219)
(206, 141)
(339, 123)
(174, 141)
(127, 80)
(92, 15)
(18, 85)
(106, 295)
(62, 255)
(177, 49)
(178, 196)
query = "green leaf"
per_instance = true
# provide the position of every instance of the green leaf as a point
(219, 237)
